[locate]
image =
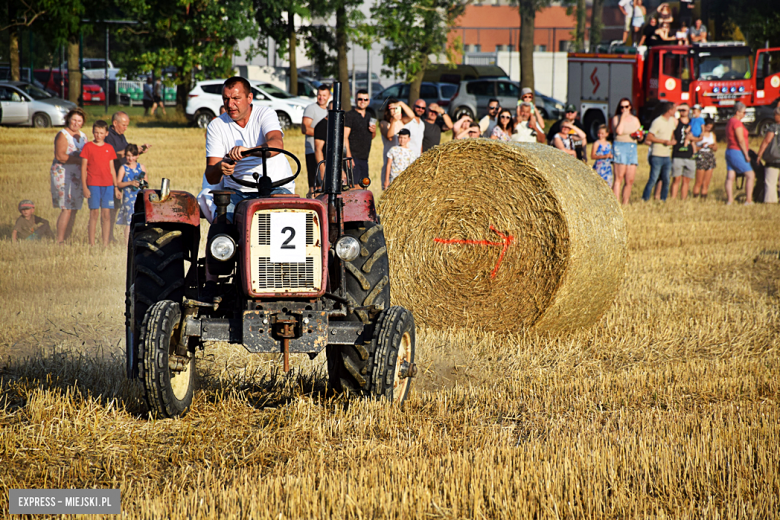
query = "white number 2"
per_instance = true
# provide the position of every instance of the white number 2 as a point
(288, 237)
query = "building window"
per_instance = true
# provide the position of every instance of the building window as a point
(474, 47)
(564, 46)
(540, 48)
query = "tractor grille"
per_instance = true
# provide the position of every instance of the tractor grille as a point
(285, 277)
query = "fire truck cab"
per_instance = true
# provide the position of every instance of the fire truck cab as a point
(715, 75)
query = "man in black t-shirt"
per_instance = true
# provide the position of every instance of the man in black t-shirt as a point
(683, 163)
(358, 133)
(436, 121)
(116, 138)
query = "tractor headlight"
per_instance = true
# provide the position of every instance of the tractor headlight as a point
(715, 90)
(347, 248)
(222, 247)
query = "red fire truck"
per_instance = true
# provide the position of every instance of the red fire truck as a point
(715, 75)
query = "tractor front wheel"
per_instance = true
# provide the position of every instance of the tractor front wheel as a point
(168, 378)
(393, 347)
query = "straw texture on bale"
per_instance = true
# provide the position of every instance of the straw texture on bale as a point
(503, 237)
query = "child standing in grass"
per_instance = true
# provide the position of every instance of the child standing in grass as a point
(601, 152)
(128, 178)
(398, 158)
(28, 226)
(98, 181)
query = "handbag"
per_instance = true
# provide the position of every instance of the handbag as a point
(772, 152)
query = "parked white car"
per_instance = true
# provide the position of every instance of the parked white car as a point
(206, 98)
(24, 104)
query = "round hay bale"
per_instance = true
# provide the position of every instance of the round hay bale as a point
(503, 237)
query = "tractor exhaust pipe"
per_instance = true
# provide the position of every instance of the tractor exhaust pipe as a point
(335, 149)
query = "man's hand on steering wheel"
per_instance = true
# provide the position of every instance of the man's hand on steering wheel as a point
(235, 152)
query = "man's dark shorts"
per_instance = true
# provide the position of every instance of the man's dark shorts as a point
(311, 169)
(359, 171)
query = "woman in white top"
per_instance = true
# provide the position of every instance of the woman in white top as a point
(66, 193)
(705, 162)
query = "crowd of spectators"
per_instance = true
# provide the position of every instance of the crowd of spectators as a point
(93, 170)
(660, 28)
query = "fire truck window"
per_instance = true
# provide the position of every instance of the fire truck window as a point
(768, 64)
(723, 67)
(673, 65)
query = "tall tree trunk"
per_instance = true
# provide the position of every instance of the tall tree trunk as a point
(596, 24)
(579, 38)
(414, 88)
(74, 74)
(293, 62)
(13, 41)
(341, 56)
(527, 21)
(183, 90)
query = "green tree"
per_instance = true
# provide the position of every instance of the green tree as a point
(20, 13)
(596, 23)
(415, 31)
(758, 20)
(196, 37)
(277, 19)
(528, 9)
(579, 32)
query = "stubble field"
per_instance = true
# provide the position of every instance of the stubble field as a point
(666, 408)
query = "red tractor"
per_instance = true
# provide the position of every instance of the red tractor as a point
(288, 275)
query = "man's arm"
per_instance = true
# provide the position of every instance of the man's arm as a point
(765, 144)
(306, 128)
(347, 131)
(319, 156)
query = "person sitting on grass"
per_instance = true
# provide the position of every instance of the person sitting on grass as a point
(98, 181)
(128, 178)
(399, 158)
(28, 226)
(568, 138)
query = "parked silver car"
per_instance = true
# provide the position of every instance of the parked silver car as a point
(24, 104)
(473, 96)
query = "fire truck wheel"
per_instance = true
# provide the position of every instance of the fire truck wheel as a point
(367, 283)
(155, 273)
(168, 380)
(592, 121)
(393, 347)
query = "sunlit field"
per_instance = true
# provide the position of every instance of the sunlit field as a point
(666, 408)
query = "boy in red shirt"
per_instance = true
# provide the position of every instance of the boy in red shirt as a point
(98, 181)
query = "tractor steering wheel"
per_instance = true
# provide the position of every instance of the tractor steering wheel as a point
(265, 187)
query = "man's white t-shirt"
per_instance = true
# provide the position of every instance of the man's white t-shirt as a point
(223, 134)
(486, 126)
(417, 131)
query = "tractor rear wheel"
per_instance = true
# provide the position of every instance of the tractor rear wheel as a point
(155, 273)
(367, 282)
(168, 386)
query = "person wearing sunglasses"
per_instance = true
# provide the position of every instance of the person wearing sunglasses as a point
(487, 123)
(569, 115)
(359, 131)
(536, 122)
(625, 160)
(416, 126)
(505, 128)
(436, 121)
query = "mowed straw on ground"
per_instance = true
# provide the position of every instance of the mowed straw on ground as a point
(666, 408)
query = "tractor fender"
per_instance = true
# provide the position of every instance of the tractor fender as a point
(358, 205)
(180, 207)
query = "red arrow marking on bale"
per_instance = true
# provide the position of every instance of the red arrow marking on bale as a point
(595, 80)
(504, 245)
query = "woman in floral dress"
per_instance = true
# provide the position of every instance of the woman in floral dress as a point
(65, 172)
